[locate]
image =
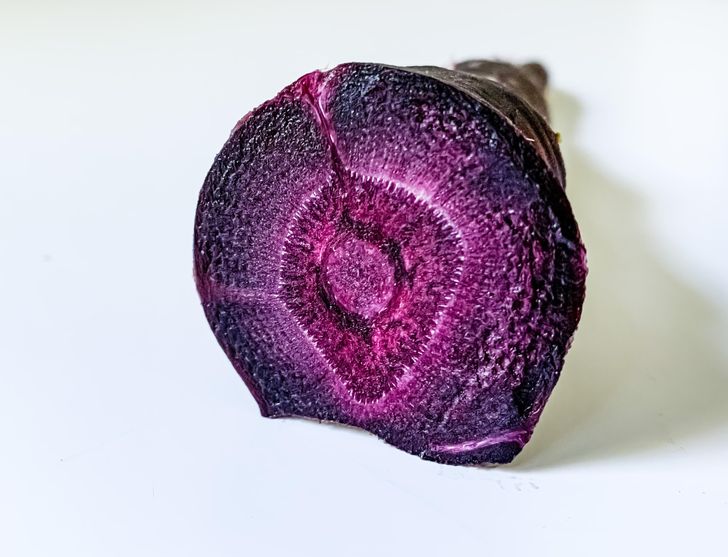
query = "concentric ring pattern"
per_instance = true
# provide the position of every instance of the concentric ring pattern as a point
(379, 247)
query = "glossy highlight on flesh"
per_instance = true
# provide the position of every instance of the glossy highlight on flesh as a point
(392, 249)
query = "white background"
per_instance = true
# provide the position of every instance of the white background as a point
(125, 431)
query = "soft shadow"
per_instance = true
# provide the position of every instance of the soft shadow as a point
(645, 373)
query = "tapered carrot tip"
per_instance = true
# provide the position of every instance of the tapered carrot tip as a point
(392, 248)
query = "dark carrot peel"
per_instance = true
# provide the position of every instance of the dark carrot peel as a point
(392, 248)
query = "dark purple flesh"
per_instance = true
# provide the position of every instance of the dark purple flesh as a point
(392, 249)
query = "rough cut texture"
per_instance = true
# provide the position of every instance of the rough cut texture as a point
(392, 248)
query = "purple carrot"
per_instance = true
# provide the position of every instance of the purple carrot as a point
(392, 248)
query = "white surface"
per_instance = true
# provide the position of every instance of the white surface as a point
(124, 429)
